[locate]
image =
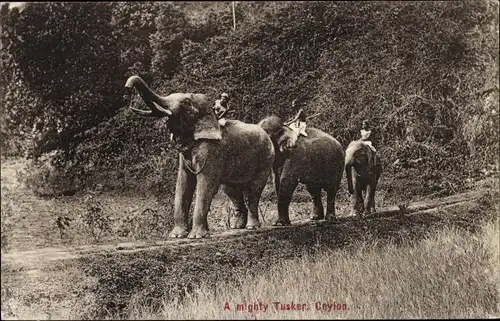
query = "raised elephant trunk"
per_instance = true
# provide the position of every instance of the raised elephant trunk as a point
(352, 155)
(150, 98)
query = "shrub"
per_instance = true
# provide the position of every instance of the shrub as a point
(94, 217)
(6, 210)
(143, 224)
(423, 73)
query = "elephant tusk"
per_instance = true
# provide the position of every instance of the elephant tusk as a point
(163, 110)
(141, 112)
(149, 113)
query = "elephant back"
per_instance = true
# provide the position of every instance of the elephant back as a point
(238, 134)
(316, 138)
(319, 157)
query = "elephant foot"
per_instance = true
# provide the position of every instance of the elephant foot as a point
(253, 226)
(357, 211)
(330, 217)
(237, 222)
(198, 233)
(316, 217)
(178, 232)
(282, 222)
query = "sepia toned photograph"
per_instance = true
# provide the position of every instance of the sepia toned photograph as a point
(231, 160)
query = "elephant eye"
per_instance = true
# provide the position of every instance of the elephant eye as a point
(187, 105)
(186, 101)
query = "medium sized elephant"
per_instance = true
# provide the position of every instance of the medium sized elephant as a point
(364, 178)
(316, 161)
(237, 155)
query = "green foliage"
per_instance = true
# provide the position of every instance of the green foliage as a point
(95, 218)
(142, 225)
(65, 57)
(62, 223)
(166, 42)
(424, 74)
(133, 23)
(6, 221)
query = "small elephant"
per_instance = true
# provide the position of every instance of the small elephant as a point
(367, 171)
(316, 161)
(238, 156)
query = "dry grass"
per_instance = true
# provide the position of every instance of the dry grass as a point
(450, 274)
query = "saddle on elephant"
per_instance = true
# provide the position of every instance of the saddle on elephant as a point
(298, 123)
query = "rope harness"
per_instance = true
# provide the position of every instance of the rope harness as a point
(190, 169)
(185, 149)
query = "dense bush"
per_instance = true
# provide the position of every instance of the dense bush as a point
(423, 73)
(6, 214)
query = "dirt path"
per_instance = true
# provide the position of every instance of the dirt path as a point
(34, 259)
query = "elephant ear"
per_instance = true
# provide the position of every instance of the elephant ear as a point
(207, 126)
(286, 138)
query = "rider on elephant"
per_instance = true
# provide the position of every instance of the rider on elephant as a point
(221, 108)
(365, 137)
(298, 124)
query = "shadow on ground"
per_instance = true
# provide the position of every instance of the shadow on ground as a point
(171, 272)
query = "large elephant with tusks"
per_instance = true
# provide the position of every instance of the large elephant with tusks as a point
(316, 161)
(237, 155)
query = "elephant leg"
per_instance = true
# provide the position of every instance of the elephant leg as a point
(276, 183)
(239, 218)
(368, 198)
(206, 188)
(287, 187)
(184, 190)
(357, 198)
(318, 211)
(254, 191)
(331, 195)
(277, 177)
(372, 199)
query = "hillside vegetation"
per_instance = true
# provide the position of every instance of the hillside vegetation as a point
(424, 73)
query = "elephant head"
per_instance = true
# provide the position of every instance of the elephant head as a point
(360, 156)
(190, 116)
(283, 137)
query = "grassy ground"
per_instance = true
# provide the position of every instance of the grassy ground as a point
(433, 264)
(33, 219)
(449, 274)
